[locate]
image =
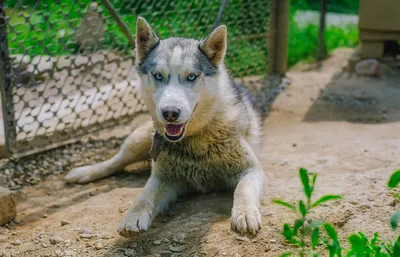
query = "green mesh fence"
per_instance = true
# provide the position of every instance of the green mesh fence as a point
(67, 69)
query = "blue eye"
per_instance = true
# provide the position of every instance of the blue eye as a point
(158, 76)
(191, 77)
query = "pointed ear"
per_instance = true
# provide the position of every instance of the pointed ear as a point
(146, 39)
(214, 46)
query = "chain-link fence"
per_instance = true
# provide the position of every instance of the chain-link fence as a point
(67, 69)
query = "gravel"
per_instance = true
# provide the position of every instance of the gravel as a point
(16, 174)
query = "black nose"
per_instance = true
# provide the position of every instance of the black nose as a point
(170, 114)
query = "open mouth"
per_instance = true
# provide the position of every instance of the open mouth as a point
(174, 132)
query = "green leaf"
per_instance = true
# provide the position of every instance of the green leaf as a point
(315, 238)
(357, 245)
(302, 208)
(287, 232)
(394, 221)
(394, 179)
(396, 247)
(315, 223)
(314, 179)
(330, 230)
(306, 182)
(286, 254)
(286, 204)
(297, 224)
(324, 199)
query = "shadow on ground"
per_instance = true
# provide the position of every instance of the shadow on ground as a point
(358, 100)
(181, 231)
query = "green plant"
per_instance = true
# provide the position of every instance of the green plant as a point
(394, 181)
(303, 40)
(306, 235)
(361, 246)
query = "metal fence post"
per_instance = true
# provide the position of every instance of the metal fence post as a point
(278, 37)
(5, 82)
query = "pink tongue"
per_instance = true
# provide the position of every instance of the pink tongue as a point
(173, 129)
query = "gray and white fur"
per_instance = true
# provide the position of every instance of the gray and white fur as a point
(211, 135)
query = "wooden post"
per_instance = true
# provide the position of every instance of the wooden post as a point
(322, 51)
(278, 37)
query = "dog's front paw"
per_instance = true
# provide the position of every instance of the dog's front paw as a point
(135, 222)
(86, 174)
(246, 218)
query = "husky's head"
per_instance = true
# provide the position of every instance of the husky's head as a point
(179, 79)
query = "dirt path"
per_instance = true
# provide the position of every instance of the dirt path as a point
(345, 129)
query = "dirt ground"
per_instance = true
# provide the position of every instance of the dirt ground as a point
(344, 128)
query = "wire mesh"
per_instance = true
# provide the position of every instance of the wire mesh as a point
(66, 68)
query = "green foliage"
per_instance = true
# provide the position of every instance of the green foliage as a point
(394, 179)
(394, 221)
(361, 246)
(303, 41)
(286, 204)
(338, 6)
(302, 234)
(47, 27)
(308, 239)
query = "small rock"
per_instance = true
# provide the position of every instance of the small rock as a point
(157, 242)
(67, 242)
(86, 231)
(243, 239)
(86, 235)
(166, 254)
(16, 242)
(64, 222)
(283, 162)
(224, 253)
(69, 253)
(268, 213)
(58, 252)
(179, 238)
(98, 246)
(45, 215)
(129, 252)
(121, 210)
(165, 240)
(177, 249)
(272, 241)
(8, 209)
(56, 240)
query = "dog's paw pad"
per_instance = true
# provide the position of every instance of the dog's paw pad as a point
(246, 220)
(135, 222)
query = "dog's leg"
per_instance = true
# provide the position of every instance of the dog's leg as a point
(156, 196)
(246, 215)
(135, 148)
(248, 195)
